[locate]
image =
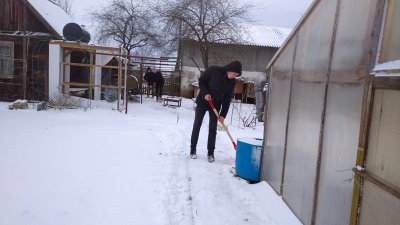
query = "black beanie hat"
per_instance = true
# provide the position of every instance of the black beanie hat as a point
(234, 66)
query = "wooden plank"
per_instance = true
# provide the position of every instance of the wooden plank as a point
(387, 83)
(364, 174)
(88, 65)
(74, 45)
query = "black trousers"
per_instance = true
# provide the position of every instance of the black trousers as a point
(150, 90)
(212, 128)
(158, 91)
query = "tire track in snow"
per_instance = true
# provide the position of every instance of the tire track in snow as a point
(177, 200)
(215, 199)
(209, 188)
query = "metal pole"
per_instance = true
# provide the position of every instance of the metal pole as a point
(126, 84)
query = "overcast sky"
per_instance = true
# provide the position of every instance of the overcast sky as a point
(283, 13)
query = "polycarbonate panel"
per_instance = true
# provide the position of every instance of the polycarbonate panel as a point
(340, 141)
(278, 104)
(276, 132)
(378, 207)
(306, 104)
(383, 152)
(352, 42)
(313, 47)
(302, 146)
(390, 49)
(343, 111)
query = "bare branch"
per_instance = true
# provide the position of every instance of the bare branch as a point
(126, 22)
(66, 5)
(205, 21)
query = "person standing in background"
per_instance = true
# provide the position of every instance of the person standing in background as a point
(159, 80)
(149, 77)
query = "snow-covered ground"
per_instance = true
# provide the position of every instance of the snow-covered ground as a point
(99, 166)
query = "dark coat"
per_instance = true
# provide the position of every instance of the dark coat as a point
(159, 79)
(215, 82)
(149, 77)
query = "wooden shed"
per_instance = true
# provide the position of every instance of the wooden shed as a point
(26, 27)
(332, 135)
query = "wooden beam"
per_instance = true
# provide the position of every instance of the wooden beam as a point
(387, 83)
(24, 55)
(81, 46)
(366, 175)
(88, 65)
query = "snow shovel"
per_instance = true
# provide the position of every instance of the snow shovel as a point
(222, 123)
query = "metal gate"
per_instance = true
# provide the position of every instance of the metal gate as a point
(170, 68)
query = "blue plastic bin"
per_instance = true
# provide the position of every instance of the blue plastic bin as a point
(248, 158)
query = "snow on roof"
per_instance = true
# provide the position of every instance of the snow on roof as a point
(52, 14)
(388, 69)
(392, 65)
(269, 36)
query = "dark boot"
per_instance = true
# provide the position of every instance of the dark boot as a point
(210, 156)
(193, 154)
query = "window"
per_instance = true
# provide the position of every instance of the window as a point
(6, 59)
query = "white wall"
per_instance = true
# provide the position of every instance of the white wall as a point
(54, 69)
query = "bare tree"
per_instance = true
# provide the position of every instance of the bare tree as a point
(126, 22)
(205, 21)
(66, 5)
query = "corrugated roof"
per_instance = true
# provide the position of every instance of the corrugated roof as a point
(51, 14)
(270, 36)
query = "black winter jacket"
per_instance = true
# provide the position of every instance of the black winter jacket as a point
(150, 78)
(159, 79)
(215, 82)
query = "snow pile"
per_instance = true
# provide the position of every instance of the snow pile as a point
(385, 68)
(391, 65)
(18, 104)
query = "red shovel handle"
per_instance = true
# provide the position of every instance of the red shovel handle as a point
(211, 103)
(223, 125)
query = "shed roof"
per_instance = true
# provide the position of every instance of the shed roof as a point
(51, 14)
(270, 36)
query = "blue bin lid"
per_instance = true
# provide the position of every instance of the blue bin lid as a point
(251, 141)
